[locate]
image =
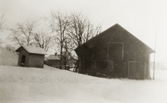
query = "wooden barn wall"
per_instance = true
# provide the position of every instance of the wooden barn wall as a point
(115, 69)
(21, 53)
(36, 60)
(95, 56)
(134, 50)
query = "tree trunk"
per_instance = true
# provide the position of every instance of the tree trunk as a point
(61, 57)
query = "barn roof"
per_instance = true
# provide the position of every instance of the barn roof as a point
(32, 50)
(107, 34)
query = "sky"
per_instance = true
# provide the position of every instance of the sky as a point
(145, 19)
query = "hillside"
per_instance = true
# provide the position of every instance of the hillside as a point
(50, 85)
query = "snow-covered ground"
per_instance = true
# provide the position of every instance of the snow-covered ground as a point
(8, 57)
(50, 85)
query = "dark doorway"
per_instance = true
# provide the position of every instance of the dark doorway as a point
(23, 60)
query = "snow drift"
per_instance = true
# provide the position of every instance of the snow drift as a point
(8, 57)
(50, 85)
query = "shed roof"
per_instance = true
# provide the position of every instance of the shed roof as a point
(32, 50)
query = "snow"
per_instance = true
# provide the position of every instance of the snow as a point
(50, 85)
(8, 57)
(33, 50)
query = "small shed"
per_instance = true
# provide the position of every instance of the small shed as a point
(115, 53)
(53, 60)
(31, 56)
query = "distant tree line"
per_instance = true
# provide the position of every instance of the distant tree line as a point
(59, 30)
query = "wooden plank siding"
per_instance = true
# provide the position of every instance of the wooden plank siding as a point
(31, 59)
(111, 51)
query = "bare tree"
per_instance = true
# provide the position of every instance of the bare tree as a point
(43, 40)
(68, 48)
(59, 24)
(71, 31)
(81, 30)
(29, 34)
(24, 33)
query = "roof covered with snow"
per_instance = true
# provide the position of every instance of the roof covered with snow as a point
(32, 50)
(53, 57)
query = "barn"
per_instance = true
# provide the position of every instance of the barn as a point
(31, 56)
(115, 53)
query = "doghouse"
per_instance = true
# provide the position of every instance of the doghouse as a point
(31, 56)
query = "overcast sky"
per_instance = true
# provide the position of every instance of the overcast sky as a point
(143, 18)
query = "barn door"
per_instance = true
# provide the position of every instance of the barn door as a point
(136, 70)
